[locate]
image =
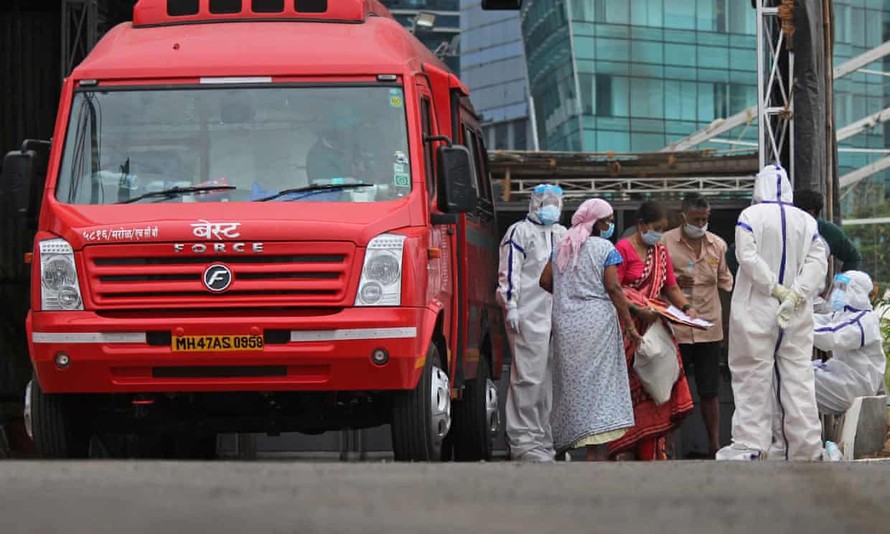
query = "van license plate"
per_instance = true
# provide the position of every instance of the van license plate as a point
(216, 343)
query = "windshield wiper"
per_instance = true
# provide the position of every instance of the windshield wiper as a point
(176, 191)
(312, 189)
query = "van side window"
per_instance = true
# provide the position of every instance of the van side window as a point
(427, 147)
(470, 143)
(483, 187)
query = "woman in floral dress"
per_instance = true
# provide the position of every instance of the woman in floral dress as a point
(591, 394)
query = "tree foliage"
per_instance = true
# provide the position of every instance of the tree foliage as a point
(873, 241)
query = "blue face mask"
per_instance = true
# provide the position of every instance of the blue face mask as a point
(548, 215)
(838, 299)
(652, 237)
(606, 234)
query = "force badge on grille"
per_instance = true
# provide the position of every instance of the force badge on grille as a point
(217, 278)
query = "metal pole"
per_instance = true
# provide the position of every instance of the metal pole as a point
(831, 139)
(761, 95)
(775, 103)
(80, 31)
(790, 119)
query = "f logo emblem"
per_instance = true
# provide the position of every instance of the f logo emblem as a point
(217, 278)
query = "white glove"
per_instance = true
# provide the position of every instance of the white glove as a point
(513, 319)
(786, 309)
(780, 292)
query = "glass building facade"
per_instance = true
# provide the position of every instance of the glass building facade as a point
(859, 26)
(637, 75)
(443, 36)
(492, 64)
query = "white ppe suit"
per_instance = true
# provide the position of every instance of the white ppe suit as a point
(857, 365)
(782, 264)
(524, 252)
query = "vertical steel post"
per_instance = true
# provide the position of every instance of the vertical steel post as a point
(761, 99)
(775, 88)
(80, 31)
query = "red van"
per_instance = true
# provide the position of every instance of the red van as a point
(261, 216)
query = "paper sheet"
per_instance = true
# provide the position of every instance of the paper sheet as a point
(679, 315)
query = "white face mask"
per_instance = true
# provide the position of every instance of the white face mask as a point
(695, 232)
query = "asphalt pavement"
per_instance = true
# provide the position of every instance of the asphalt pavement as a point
(287, 496)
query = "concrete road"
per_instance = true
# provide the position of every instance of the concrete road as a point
(222, 497)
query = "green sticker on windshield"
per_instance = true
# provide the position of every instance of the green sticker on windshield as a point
(395, 98)
(401, 179)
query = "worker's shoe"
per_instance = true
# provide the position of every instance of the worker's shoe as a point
(738, 453)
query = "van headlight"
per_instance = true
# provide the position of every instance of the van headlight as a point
(381, 282)
(59, 287)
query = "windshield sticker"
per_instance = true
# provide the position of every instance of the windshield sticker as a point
(121, 234)
(401, 179)
(205, 229)
(400, 157)
(395, 98)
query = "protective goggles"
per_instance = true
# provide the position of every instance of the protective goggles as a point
(543, 189)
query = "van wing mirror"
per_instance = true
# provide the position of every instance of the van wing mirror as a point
(19, 174)
(21, 182)
(456, 192)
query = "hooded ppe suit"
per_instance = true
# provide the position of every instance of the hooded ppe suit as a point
(856, 368)
(782, 264)
(525, 250)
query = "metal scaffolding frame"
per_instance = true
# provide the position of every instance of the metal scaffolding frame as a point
(775, 97)
(622, 178)
(863, 125)
(80, 31)
(747, 115)
(864, 172)
(627, 187)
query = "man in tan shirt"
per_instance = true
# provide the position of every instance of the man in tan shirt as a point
(695, 251)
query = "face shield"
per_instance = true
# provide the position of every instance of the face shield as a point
(852, 290)
(838, 295)
(545, 205)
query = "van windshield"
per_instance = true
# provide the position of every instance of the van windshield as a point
(251, 143)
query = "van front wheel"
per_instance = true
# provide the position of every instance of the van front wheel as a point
(476, 417)
(421, 418)
(58, 424)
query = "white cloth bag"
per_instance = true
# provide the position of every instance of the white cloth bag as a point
(655, 362)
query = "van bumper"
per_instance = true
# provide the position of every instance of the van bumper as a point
(301, 352)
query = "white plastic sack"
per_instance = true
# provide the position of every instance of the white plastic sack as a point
(655, 362)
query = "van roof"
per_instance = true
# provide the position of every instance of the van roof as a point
(376, 45)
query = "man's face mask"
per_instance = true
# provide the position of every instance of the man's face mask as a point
(548, 215)
(696, 222)
(694, 231)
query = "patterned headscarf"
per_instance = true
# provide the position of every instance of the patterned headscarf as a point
(583, 220)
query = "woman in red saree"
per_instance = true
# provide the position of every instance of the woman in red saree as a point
(646, 274)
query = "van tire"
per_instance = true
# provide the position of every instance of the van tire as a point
(472, 431)
(57, 424)
(418, 421)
